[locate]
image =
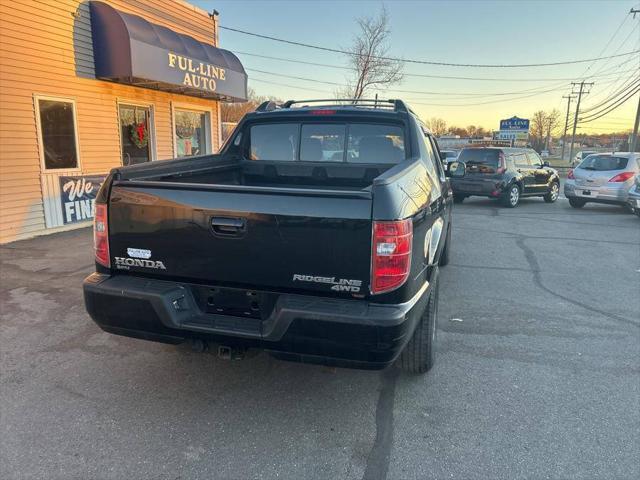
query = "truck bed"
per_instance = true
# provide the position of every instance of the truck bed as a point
(213, 170)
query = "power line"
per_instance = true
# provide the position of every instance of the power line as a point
(446, 77)
(613, 97)
(633, 29)
(624, 20)
(423, 92)
(611, 108)
(425, 62)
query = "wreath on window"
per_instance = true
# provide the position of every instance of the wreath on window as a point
(139, 135)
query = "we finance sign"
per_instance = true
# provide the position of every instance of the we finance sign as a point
(78, 197)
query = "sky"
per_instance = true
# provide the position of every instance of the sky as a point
(480, 32)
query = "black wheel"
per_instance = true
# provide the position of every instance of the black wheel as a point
(458, 198)
(444, 255)
(552, 194)
(418, 355)
(512, 196)
(577, 203)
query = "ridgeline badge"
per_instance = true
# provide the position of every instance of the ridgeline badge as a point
(197, 74)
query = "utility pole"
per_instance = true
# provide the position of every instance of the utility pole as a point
(566, 125)
(634, 138)
(575, 120)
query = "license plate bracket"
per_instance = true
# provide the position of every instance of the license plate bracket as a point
(235, 302)
(589, 193)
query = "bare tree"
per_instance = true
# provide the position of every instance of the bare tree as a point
(552, 124)
(461, 132)
(437, 126)
(543, 126)
(370, 69)
(538, 129)
(472, 130)
(233, 112)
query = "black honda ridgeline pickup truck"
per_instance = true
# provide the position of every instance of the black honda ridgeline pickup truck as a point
(315, 234)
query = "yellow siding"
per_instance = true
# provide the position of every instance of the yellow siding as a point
(46, 49)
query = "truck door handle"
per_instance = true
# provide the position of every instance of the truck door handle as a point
(226, 226)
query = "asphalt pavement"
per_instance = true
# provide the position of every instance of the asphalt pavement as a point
(537, 374)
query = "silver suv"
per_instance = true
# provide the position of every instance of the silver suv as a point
(602, 178)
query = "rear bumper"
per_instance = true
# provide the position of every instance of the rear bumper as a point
(489, 187)
(351, 333)
(617, 194)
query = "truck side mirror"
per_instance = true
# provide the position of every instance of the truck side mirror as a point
(455, 169)
(545, 163)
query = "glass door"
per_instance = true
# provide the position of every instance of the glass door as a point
(191, 133)
(135, 132)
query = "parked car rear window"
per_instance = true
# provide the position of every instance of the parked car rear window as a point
(604, 162)
(482, 160)
(325, 142)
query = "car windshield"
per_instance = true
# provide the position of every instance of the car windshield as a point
(604, 163)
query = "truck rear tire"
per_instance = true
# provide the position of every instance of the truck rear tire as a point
(418, 355)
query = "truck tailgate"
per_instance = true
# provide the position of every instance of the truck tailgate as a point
(246, 237)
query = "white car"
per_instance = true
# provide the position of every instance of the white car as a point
(448, 155)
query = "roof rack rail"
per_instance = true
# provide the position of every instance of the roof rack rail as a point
(397, 105)
(267, 106)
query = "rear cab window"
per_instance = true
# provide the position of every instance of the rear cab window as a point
(480, 160)
(327, 142)
(604, 163)
(274, 141)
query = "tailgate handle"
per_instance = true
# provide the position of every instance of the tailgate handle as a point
(226, 226)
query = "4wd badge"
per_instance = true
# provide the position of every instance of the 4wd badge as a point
(338, 285)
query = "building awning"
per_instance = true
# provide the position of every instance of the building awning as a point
(129, 49)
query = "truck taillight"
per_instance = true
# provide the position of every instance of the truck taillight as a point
(391, 254)
(502, 166)
(101, 236)
(621, 177)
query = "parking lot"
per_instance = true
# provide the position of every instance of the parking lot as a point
(537, 376)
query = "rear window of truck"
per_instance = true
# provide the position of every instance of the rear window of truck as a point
(604, 163)
(327, 142)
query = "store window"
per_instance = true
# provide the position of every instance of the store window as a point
(135, 134)
(191, 129)
(58, 134)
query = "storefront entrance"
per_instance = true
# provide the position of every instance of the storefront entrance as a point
(135, 134)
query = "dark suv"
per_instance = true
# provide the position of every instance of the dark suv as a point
(506, 174)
